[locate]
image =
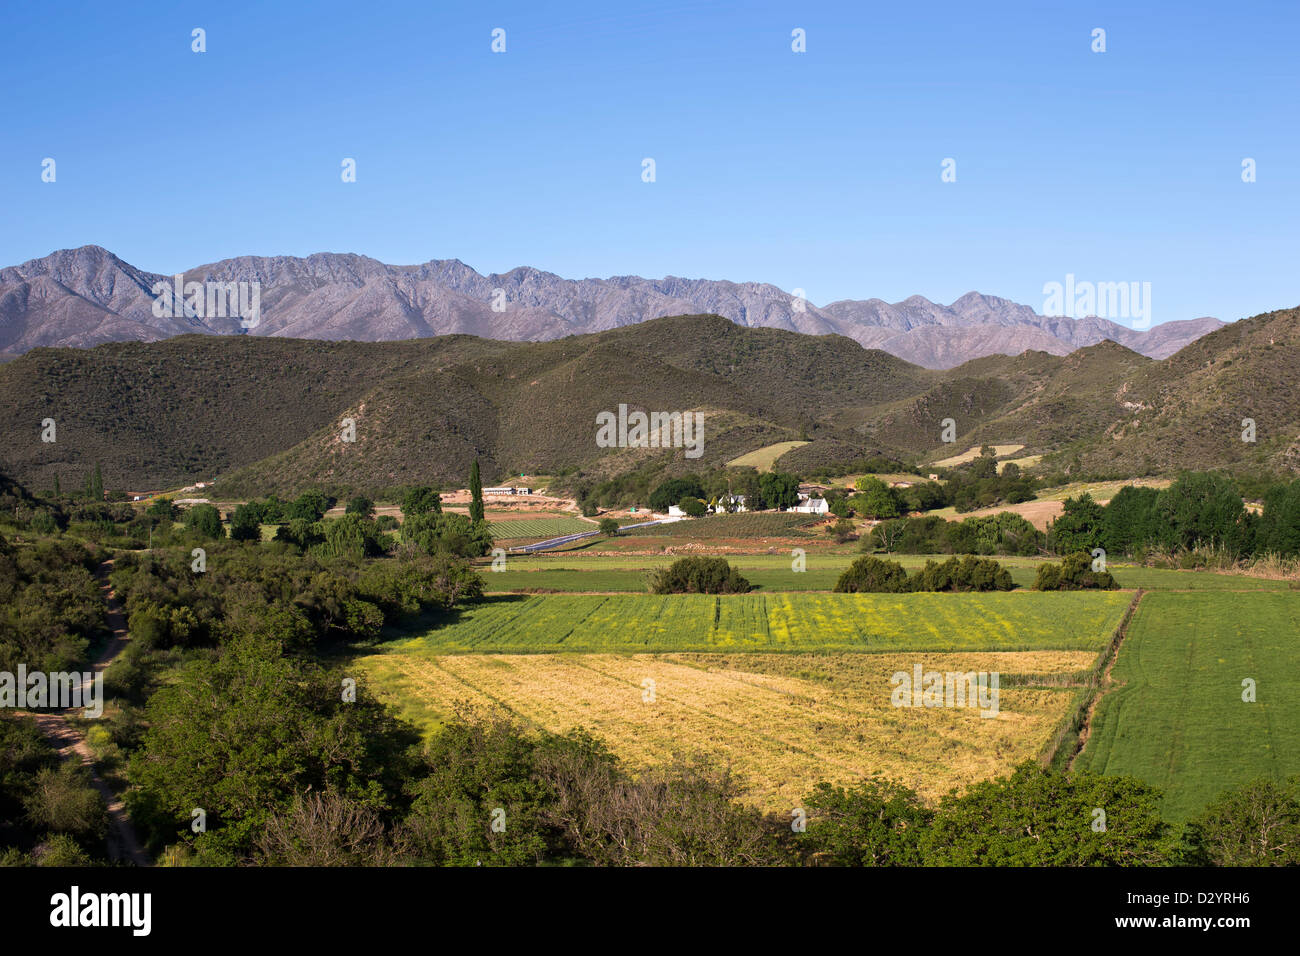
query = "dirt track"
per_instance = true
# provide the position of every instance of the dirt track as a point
(123, 845)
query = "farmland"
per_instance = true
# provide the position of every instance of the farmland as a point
(782, 721)
(629, 623)
(764, 458)
(597, 573)
(1177, 718)
(540, 527)
(974, 452)
(773, 523)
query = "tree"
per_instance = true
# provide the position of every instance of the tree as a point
(480, 772)
(877, 823)
(877, 499)
(780, 490)
(449, 533)
(309, 506)
(239, 735)
(673, 490)
(1279, 526)
(698, 575)
(1204, 508)
(873, 575)
(163, 509)
(350, 536)
(1040, 817)
(246, 523)
(693, 507)
(476, 512)
(1074, 573)
(360, 505)
(1254, 825)
(97, 484)
(609, 526)
(1080, 526)
(206, 520)
(421, 500)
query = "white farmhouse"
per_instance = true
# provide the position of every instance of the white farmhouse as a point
(812, 506)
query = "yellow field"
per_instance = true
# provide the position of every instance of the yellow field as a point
(1022, 463)
(974, 452)
(783, 721)
(764, 458)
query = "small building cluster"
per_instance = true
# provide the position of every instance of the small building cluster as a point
(507, 490)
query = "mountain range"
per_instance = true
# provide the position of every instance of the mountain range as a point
(87, 296)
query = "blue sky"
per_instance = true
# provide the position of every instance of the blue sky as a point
(818, 171)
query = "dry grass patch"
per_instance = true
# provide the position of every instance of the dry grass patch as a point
(783, 721)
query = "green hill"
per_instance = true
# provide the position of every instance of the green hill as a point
(267, 414)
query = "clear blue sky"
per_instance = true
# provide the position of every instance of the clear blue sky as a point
(818, 171)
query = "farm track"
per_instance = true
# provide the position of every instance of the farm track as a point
(123, 844)
(1105, 684)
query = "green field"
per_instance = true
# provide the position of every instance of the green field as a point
(579, 572)
(1178, 720)
(777, 524)
(540, 527)
(773, 622)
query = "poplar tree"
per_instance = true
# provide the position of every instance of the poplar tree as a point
(476, 512)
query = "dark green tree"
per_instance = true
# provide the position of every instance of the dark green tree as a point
(421, 500)
(476, 512)
(1039, 817)
(360, 505)
(876, 823)
(1079, 528)
(206, 520)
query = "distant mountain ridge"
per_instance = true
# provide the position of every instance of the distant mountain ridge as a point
(88, 296)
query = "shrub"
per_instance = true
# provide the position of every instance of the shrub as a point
(873, 575)
(1074, 573)
(967, 574)
(698, 576)
(693, 507)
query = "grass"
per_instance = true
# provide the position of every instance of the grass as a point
(578, 572)
(974, 452)
(764, 458)
(540, 527)
(645, 623)
(758, 525)
(781, 721)
(1178, 721)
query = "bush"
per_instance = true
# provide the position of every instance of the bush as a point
(609, 526)
(698, 576)
(967, 574)
(873, 575)
(694, 507)
(206, 520)
(843, 530)
(1074, 573)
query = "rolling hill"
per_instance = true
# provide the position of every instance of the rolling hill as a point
(267, 413)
